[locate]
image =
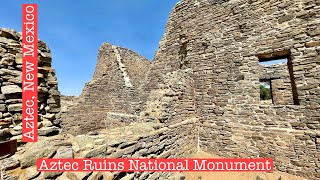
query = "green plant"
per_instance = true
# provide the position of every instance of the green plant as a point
(265, 93)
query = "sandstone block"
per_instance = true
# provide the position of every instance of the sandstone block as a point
(9, 163)
(32, 172)
(3, 107)
(11, 89)
(15, 107)
(99, 152)
(46, 131)
(29, 159)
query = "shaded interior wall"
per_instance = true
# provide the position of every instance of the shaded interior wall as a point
(11, 88)
(108, 90)
(221, 43)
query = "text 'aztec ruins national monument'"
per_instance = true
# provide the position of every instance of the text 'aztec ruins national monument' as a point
(201, 92)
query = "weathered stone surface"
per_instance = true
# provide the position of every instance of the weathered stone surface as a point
(9, 163)
(32, 173)
(65, 152)
(51, 175)
(45, 131)
(4, 132)
(11, 82)
(30, 158)
(99, 152)
(15, 107)
(117, 86)
(46, 123)
(79, 175)
(11, 89)
(3, 107)
(207, 66)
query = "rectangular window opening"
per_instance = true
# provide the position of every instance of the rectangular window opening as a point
(266, 91)
(270, 88)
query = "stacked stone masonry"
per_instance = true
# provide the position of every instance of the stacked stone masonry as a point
(222, 42)
(11, 88)
(151, 140)
(207, 67)
(117, 86)
(203, 87)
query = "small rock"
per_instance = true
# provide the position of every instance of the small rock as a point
(4, 132)
(96, 153)
(93, 133)
(7, 61)
(10, 73)
(99, 141)
(49, 116)
(84, 142)
(96, 176)
(46, 131)
(128, 177)
(75, 147)
(64, 152)
(47, 123)
(3, 107)
(15, 133)
(89, 146)
(7, 114)
(56, 121)
(17, 117)
(29, 159)
(78, 175)
(15, 107)
(32, 172)
(18, 127)
(313, 44)
(2, 97)
(18, 59)
(63, 177)
(51, 175)
(9, 163)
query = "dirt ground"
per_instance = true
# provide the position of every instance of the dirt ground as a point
(236, 175)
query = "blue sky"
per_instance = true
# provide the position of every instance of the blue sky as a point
(273, 62)
(74, 30)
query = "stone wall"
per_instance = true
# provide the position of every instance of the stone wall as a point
(152, 140)
(117, 86)
(173, 101)
(11, 84)
(207, 67)
(222, 42)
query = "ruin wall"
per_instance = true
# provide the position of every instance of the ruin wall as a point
(115, 87)
(222, 42)
(11, 92)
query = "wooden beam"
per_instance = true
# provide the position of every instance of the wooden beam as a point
(8, 147)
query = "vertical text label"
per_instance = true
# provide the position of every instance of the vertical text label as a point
(30, 72)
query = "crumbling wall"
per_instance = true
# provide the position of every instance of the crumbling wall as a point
(222, 41)
(150, 140)
(115, 87)
(207, 67)
(11, 84)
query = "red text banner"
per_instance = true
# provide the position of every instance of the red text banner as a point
(30, 72)
(155, 165)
